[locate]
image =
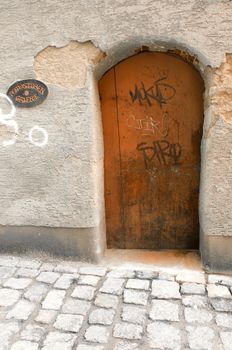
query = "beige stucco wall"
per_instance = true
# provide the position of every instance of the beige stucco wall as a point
(68, 45)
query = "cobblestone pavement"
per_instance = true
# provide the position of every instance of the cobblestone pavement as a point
(74, 306)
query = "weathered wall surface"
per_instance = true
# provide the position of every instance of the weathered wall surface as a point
(216, 184)
(63, 43)
(66, 66)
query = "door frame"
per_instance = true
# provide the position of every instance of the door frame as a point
(119, 53)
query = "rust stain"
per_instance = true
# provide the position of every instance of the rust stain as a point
(102, 55)
(142, 49)
(184, 55)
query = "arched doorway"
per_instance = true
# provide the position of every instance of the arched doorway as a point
(152, 110)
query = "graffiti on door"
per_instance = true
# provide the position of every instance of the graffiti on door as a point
(159, 91)
(163, 151)
(149, 125)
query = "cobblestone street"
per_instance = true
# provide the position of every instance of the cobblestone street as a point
(64, 305)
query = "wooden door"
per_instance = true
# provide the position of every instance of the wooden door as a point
(152, 110)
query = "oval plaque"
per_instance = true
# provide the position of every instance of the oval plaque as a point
(27, 93)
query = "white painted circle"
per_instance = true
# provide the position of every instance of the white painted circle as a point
(13, 109)
(45, 136)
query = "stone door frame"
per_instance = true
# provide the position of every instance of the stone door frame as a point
(214, 250)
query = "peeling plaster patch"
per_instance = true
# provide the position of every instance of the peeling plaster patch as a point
(220, 93)
(66, 66)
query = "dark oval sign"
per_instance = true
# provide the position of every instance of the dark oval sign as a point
(27, 93)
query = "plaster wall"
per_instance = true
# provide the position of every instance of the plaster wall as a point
(69, 45)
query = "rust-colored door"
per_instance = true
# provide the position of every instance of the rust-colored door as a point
(152, 110)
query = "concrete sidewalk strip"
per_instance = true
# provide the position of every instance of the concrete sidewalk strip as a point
(71, 305)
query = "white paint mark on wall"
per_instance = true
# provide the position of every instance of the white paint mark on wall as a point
(36, 129)
(7, 120)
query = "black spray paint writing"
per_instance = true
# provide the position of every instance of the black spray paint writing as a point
(161, 150)
(160, 92)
